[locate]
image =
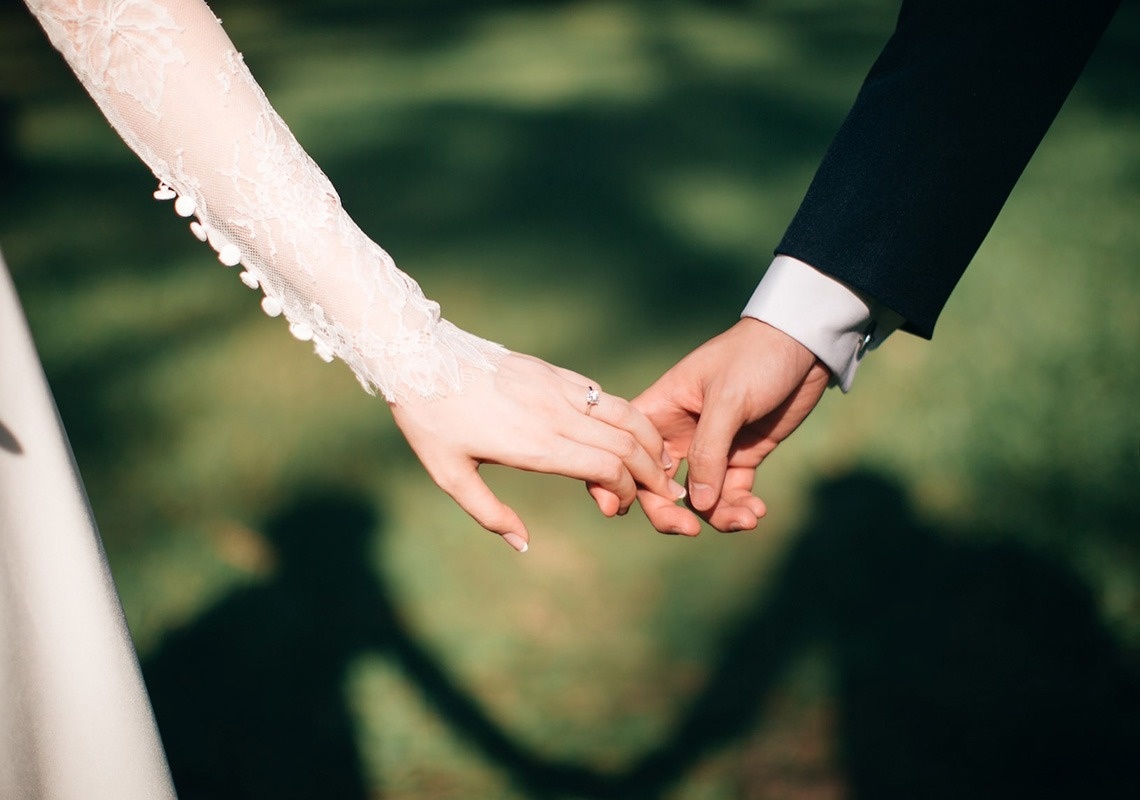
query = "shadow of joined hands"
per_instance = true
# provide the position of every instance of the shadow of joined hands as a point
(961, 669)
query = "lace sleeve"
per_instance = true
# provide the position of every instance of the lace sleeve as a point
(166, 76)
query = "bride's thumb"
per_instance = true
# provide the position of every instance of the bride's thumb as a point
(477, 499)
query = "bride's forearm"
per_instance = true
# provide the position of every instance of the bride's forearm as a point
(169, 80)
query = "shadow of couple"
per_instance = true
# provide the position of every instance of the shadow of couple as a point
(960, 669)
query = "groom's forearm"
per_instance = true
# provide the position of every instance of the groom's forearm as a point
(942, 129)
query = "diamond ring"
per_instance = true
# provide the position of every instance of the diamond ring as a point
(592, 398)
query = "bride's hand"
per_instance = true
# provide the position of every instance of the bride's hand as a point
(532, 415)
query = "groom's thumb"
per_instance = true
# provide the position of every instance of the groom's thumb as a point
(708, 456)
(477, 499)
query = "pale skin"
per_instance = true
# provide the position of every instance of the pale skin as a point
(531, 415)
(725, 407)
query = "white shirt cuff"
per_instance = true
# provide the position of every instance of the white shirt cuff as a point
(838, 324)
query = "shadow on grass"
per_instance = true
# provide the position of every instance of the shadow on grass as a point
(960, 669)
(250, 698)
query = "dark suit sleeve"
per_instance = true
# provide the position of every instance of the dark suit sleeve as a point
(942, 128)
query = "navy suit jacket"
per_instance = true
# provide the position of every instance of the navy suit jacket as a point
(942, 128)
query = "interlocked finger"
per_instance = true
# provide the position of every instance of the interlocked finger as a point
(644, 466)
(586, 461)
(618, 413)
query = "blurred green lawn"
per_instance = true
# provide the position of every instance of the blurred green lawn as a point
(601, 184)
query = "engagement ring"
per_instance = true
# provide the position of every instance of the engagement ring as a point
(592, 398)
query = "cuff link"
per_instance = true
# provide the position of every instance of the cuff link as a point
(867, 339)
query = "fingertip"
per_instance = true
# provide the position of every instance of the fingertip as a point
(517, 542)
(608, 502)
(702, 496)
(732, 519)
(668, 518)
(474, 497)
(757, 507)
(739, 525)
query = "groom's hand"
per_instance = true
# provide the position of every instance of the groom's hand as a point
(725, 407)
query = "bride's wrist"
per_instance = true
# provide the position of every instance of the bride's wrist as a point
(425, 365)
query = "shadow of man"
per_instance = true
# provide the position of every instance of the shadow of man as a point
(960, 669)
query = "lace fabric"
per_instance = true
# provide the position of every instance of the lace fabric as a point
(169, 81)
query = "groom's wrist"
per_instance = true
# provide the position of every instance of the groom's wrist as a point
(837, 323)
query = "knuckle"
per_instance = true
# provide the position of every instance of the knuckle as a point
(611, 470)
(700, 453)
(625, 446)
(621, 412)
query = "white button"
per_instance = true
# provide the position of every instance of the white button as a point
(184, 206)
(271, 306)
(230, 255)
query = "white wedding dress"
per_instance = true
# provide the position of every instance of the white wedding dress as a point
(74, 719)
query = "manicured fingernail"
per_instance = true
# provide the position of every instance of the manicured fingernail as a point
(678, 490)
(516, 541)
(666, 460)
(736, 526)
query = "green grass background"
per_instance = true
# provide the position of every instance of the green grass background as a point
(600, 184)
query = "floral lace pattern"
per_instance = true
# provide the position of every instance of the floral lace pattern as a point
(167, 78)
(123, 45)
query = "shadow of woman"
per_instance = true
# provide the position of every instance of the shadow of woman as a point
(960, 669)
(250, 698)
